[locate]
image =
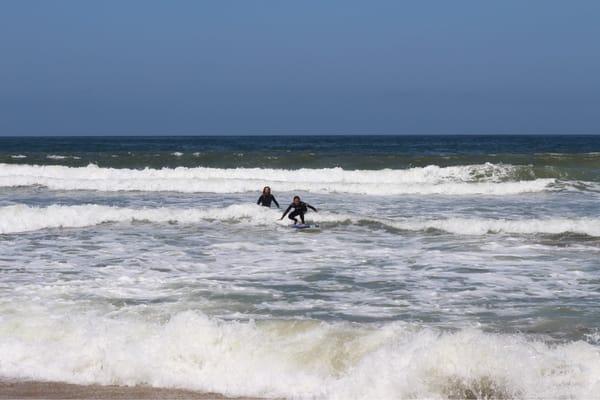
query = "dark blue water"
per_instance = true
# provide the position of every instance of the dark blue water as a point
(350, 152)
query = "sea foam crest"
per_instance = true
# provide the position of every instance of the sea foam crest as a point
(489, 179)
(293, 359)
(23, 218)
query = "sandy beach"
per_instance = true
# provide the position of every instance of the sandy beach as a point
(59, 390)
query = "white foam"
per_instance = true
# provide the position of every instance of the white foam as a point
(177, 154)
(23, 218)
(481, 226)
(18, 156)
(61, 157)
(488, 179)
(292, 359)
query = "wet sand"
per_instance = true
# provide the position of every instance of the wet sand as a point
(59, 390)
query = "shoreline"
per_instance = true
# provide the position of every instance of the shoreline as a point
(16, 389)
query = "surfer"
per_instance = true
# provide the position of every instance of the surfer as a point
(266, 198)
(300, 208)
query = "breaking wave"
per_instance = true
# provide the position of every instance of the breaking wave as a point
(23, 218)
(487, 179)
(294, 359)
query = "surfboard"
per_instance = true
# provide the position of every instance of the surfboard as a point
(305, 226)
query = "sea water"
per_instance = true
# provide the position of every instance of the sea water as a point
(444, 267)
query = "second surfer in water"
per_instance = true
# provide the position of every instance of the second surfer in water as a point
(266, 198)
(300, 208)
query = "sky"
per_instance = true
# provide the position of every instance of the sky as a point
(82, 67)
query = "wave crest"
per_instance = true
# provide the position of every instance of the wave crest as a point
(294, 359)
(23, 218)
(492, 179)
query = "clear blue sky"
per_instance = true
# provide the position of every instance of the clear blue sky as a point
(252, 67)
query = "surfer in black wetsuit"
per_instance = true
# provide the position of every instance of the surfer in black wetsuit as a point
(300, 208)
(266, 198)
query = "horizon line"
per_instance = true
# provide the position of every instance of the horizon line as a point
(115, 135)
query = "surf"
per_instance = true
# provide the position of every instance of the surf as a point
(24, 218)
(293, 359)
(485, 179)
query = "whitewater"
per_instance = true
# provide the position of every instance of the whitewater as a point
(23, 218)
(477, 179)
(443, 268)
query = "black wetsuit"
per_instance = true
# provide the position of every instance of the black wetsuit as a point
(299, 210)
(265, 200)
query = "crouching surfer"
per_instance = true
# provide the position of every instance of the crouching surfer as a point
(300, 208)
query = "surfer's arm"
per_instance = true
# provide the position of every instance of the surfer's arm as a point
(286, 211)
(311, 207)
(275, 201)
(259, 199)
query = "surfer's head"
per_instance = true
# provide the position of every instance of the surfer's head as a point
(266, 190)
(296, 199)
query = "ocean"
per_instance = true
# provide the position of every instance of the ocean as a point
(444, 266)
